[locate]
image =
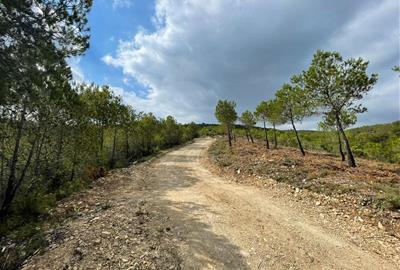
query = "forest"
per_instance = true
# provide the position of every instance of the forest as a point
(56, 135)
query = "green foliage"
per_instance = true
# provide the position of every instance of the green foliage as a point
(190, 131)
(262, 111)
(248, 119)
(171, 132)
(33, 239)
(294, 102)
(269, 111)
(392, 201)
(380, 142)
(388, 196)
(225, 112)
(329, 122)
(210, 130)
(68, 148)
(338, 84)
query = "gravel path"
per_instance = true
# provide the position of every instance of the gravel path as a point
(193, 219)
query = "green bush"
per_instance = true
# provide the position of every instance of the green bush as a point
(34, 204)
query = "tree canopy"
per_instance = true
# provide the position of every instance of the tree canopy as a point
(338, 85)
(248, 119)
(226, 114)
(295, 105)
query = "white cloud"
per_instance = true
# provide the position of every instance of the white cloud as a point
(203, 51)
(121, 3)
(125, 81)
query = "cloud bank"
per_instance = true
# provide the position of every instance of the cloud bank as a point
(244, 50)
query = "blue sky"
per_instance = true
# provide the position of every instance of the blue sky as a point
(110, 23)
(178, 57)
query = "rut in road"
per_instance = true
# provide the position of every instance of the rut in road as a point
(222, 225)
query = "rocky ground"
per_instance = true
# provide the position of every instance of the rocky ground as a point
(111, 226)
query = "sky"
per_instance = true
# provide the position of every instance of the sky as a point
(179, 57)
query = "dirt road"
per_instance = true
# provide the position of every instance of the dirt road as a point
(217, 224)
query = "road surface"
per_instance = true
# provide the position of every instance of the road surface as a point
(224, 225)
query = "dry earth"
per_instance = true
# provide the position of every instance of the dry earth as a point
(173, 213)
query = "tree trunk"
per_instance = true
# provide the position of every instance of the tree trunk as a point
(13, 166)
(72, 172)
(112, 160)
(27, 164)
(99, 152)
(13, 187)
(266, 135)
(38, 155)
(350, 158)
(229, 136)
(297, 137)
(340, 145)
(275, 140)
(247, 135)
(73, 162)
(101, 139)
(59, 149)
(2, 163)
(251, 137)
(126, 145)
